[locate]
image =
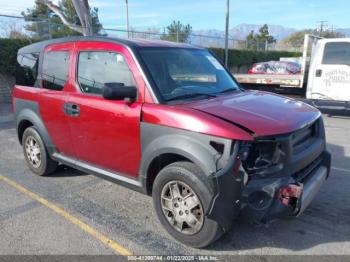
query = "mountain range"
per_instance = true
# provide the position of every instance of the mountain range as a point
(242, 30)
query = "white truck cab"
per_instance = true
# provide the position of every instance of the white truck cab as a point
(329, 72)
(324, 79)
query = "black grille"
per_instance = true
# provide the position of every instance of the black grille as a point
(302, 174)
(302, 139)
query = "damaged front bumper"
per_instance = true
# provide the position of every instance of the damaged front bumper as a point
(281, 187)
(226, 205)
(265, 199)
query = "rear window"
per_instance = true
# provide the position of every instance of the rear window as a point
(27, 69)
(55, 70)
(336, 54)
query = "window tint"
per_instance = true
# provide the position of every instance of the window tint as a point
(97, 68)
(336, 54)
(27, 69)
(55, 69)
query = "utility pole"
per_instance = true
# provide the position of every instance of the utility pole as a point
(49, 24)
(226, 31)
(322, 26)
(127, 17)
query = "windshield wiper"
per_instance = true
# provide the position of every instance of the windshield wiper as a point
(227, 90)
(185, 96)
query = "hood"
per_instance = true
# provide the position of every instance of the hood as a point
(261, 113)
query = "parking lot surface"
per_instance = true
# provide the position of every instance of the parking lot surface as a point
(127, 217)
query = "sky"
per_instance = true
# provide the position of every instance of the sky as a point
(201, 14)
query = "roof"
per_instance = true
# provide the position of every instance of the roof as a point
(335, 40)
(38, 47)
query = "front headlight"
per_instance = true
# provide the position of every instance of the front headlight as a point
(262, 155)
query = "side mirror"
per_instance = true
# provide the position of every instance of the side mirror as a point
(117, 91)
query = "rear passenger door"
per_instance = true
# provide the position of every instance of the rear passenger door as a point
(106, 133)
(54, 79)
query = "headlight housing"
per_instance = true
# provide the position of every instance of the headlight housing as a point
(262, 155)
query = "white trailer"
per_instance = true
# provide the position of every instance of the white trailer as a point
(325, 76)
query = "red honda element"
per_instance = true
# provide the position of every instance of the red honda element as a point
(168, 120)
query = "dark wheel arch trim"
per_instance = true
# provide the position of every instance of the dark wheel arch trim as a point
(29, 111)
(159, 140)
(228, 184)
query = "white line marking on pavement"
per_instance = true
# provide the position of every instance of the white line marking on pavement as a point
(341, 169)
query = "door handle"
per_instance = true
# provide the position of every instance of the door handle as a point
(71, 109)
(318, 72)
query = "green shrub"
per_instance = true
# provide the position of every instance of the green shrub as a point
(8, 53)
(238, 58)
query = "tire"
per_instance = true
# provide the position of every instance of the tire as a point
(36, 154)
(186, 177)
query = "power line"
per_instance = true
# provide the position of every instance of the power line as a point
(44, 20)
(11, 16)
(323, 24)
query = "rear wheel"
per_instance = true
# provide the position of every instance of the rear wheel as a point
(36, 154)
(181, 196)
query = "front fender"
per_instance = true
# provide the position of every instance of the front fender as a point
(157, 140)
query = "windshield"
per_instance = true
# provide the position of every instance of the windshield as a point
(186, 74)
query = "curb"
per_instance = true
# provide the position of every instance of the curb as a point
(7, 118)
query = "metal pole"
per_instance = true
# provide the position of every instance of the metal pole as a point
(49, 24)
(127, 18)
(226, 31)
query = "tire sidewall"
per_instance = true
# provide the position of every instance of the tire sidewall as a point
(210, 228)
(43, 153)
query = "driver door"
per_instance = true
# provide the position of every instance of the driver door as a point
(105, 133)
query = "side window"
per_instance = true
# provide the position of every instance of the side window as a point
(96, 68)
(55, 69)
(337, 53)
(27, 69)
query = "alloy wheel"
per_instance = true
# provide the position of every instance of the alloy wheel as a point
(182, 207)
(33, 152)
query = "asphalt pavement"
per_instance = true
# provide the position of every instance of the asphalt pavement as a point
(127, 218)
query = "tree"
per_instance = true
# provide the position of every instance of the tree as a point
(62, 19)
(177, 32)
(297, 39)
(149, 33)
(331, 34)
(251, 40)
(256, 41)
(265, 36)
(16, 34)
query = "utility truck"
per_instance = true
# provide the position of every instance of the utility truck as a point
(325, 75)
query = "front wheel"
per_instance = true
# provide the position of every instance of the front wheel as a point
(181, 196)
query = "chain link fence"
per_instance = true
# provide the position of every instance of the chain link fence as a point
(18, 27)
